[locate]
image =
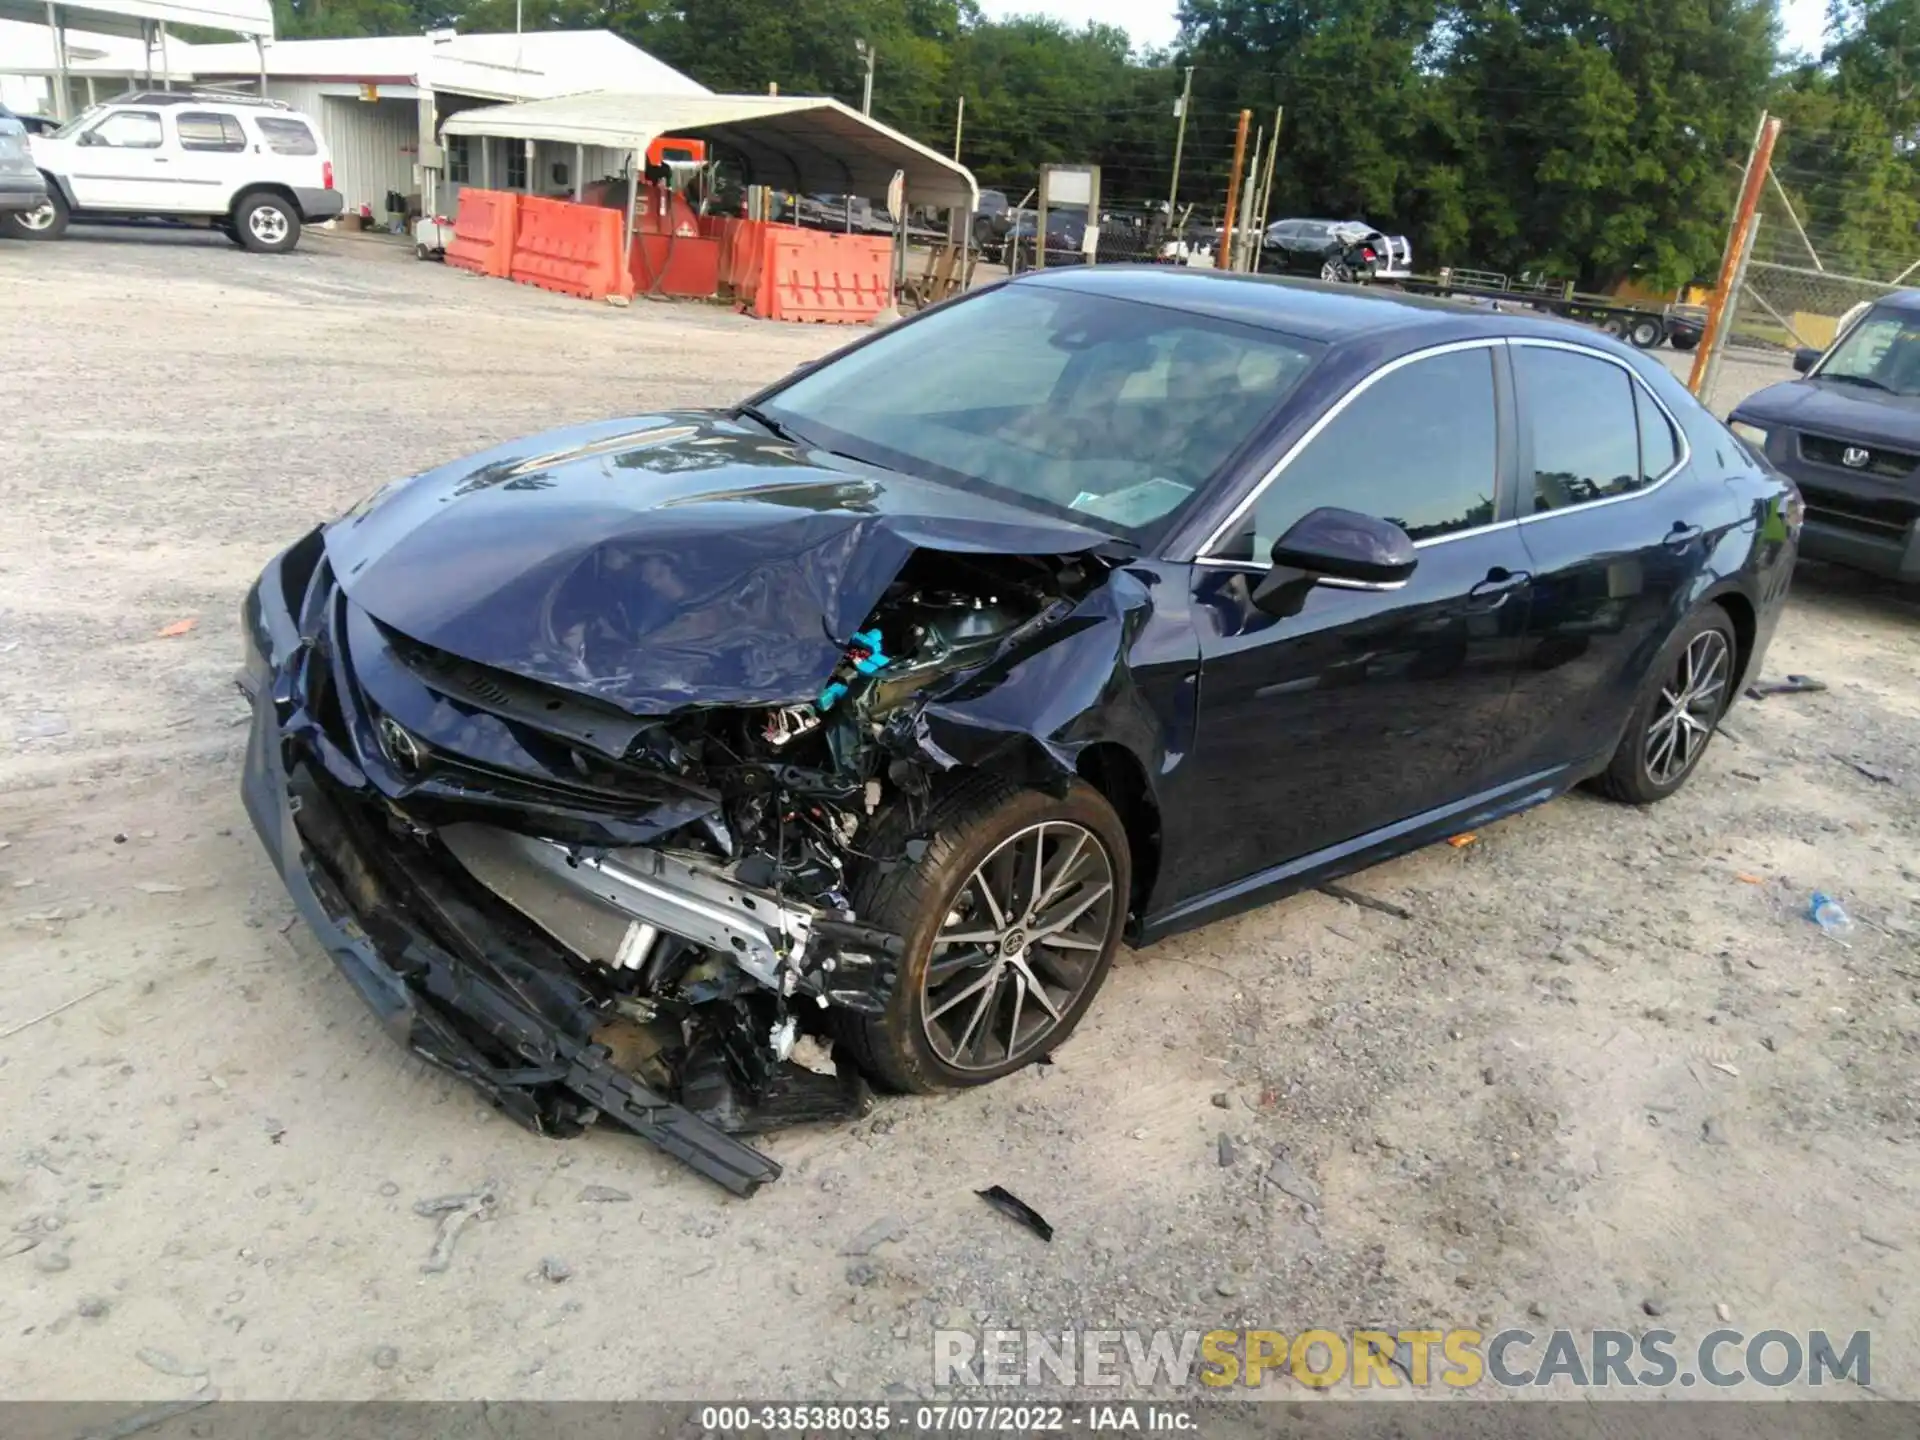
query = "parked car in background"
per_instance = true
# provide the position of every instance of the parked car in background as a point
(1341, 250)
(37, 124)
(23, 190)
(1066, 235)
(883, 706)
(1848, 433)
(254, 169)
(992, 219)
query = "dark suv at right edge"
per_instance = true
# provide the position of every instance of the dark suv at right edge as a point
(1848, 433)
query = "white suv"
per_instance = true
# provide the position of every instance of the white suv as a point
(254, 169)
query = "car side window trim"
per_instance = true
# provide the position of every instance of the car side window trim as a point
(1225, 529)
(1683, 446)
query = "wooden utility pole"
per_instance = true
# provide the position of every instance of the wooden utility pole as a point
(1179, 143)
(1224, 260)
(1266, 187)
(1758, 165)
(959, 123)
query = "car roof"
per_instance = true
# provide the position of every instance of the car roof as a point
(1908, 300)
(1307, 309)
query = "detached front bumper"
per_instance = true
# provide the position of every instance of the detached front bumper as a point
(455, 976)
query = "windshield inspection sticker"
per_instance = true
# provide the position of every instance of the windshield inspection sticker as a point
(1137, 504)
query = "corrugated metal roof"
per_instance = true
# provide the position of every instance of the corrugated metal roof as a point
(124, 17)
(28, 50)
(805, 143)
(533, 66)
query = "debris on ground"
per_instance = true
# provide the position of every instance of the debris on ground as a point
(1012, 1206)
(177, 628)
(555, 1270)
(1290, 1181)
(1829, 914)
(13, 1030)
(168, 1364)
(875, 1235)
(1367, 902)
(602, 1195)
(454, 1212)
(1872, 772)
(1460, 842)
(1792, 685)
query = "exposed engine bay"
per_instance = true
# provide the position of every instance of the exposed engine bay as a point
(725, 939)
(592, 912)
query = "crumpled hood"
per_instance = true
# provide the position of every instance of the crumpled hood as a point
(1834, 408)
(660, 561)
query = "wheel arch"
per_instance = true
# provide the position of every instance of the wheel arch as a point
(1746, 628)
(262, 187)
(1116, 772)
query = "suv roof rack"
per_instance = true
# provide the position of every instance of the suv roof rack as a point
(197, 97)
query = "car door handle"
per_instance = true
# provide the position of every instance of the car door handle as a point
(1682, 535)
(160, 160)
(1492, 592)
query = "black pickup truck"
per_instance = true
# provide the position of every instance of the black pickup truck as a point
(1848, 433)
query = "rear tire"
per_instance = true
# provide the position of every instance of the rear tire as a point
(1683, 342)
(49, 222)
(266, 223)
(1681, 701)
(1646, 334)
(975, 879)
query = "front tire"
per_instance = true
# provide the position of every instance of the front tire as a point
(1336, 271)
(1011, 919)
(48, 222)
(1681, 701)
(266, 224)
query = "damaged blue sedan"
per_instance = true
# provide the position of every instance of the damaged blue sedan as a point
(871, 715)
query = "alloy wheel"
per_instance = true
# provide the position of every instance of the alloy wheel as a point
(268, 225)
(1688, 706)
(38, 218)
(1336, 271)
(1021, 942)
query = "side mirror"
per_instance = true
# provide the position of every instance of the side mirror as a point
(1334, 544)
(89, 138)
(1804, 357)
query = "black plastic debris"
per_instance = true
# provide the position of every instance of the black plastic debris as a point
(1012, 1206)
(1792, 685)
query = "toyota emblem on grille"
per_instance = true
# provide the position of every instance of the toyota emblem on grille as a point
(1854, 458)
(400, 746)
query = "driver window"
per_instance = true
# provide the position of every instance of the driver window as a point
(1419, 447)
(128, 130)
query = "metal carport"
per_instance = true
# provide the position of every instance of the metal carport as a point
(801, 143)
(143, 18)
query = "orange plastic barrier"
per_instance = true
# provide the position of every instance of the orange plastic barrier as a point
(483, 232)
(817, 276)
(686, 267)
(574, 249)
(743, 253)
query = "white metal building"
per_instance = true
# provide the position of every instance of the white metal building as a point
(380, 101)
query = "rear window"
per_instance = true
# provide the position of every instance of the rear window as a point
(210, 130)
(287, 137)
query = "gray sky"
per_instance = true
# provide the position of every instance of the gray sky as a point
(1150, 22)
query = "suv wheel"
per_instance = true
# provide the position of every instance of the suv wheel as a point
(1337, 271)
(1011, 919)
(49, 222)
(266, 223)
(1681, 702)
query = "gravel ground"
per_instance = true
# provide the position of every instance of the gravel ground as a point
(1606, 1068)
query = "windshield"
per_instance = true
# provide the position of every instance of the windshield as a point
(1082, 405)
(1882, 352)
(79, 122)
